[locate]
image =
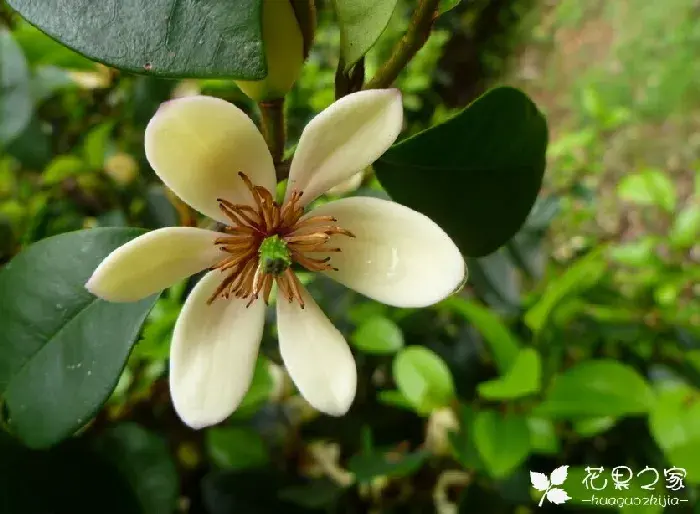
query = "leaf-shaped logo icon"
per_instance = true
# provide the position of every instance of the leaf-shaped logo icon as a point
(558, 476)
(539, 481)
(557, 496)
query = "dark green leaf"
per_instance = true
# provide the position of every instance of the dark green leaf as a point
(145, 462)
(361, 23)
(477, 175)
(504, 345)
(313, 495)
(15, 89)
(208, 38)
(462, 441)
(159, 210)
(503, 441)
(367, 466)
(250, 491)
(495, 280)
(597, 388)
(236, 448)
(33, 146)
(61, 349)
(68, 479)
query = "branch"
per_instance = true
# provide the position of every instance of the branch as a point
(415, 37)
(274, 131)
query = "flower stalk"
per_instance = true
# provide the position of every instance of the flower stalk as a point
(273, 129)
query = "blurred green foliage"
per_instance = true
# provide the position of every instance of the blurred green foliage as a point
(574, 344)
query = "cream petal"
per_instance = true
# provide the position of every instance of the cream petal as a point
(198, 144)
(213, 353)
(316, 356)
(153, 262)
(344, 139)
(399, 256)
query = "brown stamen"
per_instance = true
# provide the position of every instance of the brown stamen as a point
(246, 276)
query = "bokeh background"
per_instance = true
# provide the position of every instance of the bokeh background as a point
(577, 343)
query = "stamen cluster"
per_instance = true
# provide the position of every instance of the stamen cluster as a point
(253, 224)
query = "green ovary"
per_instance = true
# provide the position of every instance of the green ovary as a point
(275, 257)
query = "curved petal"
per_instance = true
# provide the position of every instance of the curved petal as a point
(152, 262)
(316, 356)
(213, 353)
(399, 256)
(198, 144)
(344, 139)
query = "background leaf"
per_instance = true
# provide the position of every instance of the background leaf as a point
(143, 459)
(61, 348)
(378, 335)
(15, 97)
(675, 424)
(236, 448)
(649, 187)
(503, 441)
(361, 23)
(597, 388)
(522, 379)
(482, 167)
(423, 378)
(209, 38)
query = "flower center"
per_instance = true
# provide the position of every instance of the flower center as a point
(275, 257)
(265, 239)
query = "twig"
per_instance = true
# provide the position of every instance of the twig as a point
(273, 128)
(415, 37)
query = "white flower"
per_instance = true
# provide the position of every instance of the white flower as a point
(214, 158)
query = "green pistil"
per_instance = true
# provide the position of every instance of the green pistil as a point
(275, 257)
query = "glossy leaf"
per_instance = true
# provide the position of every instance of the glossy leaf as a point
(209, 38)
(62, 349)
(378, 335)
(597, 388)
(503, 441)
(144, 460)
(15, 92)
(476, 175)
(423, 378)
(522, 379)
(361, 23)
